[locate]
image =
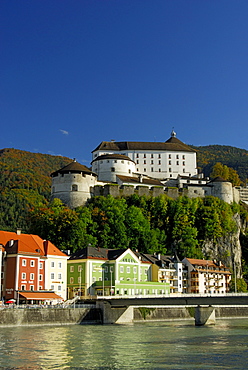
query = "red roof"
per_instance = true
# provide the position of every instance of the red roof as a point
(28, 244)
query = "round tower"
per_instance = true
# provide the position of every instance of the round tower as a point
(72, 183)
(222, 189)
(107, 166)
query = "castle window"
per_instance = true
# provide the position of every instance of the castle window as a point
(144, 169)
(144, 162)
(183, 156)
(144, 155)
(183, 170)
(151, 169)
(151, 162)
(177, 163)
(177, 156)
(137, 161)
(74, 188)
(112, 169)
(122, 161)
(137, 170)
(169, 169)
(159, 170)
(169, 162)
(108, 161)
(151, 155)
(183, 163)
(137, 155)
(115, 161)
(169, 156)
(159, 156)
(159, 162)
(129, 171)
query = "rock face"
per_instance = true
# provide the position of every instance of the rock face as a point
(227, 249)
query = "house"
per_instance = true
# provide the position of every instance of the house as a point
(99, 271)
(34, 269)
(205, 276)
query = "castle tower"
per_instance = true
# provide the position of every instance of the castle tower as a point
(222, 189)
(72, 183)
(107, 166)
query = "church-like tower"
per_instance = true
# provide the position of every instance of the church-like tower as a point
(72, 184)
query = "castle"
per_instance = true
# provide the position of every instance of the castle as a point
(145, 168)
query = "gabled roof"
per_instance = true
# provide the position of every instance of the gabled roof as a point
(27, 244)
(136, 180)
(73, 167)
(172, 144)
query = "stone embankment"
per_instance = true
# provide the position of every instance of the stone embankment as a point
(72, 316)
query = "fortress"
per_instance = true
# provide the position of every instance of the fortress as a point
(145, 168)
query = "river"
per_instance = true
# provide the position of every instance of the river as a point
(164, 345)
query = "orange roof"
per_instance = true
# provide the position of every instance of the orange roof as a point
(29, 244)
(40, 295)
(195, 261)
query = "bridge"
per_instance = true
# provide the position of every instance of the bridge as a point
(120, 309)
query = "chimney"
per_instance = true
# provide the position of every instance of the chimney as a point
(18, 231)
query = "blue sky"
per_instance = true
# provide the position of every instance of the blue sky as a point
(77, 72)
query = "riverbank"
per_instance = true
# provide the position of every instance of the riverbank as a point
(92, 315)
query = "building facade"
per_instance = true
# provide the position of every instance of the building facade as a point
(27, 266)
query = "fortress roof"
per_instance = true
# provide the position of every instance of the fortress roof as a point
(172, 144)
(73, 167)
(112, 156)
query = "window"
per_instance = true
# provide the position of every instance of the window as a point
(94, 279)
(40, 277)
(159, 156)
(177, 157)
(183, 156)
(100, 279)
(32, 263)
(59, 288)
(137, 155)
(71, 280)
(111, 269)
(145, 162)
(71, 268)
(170, 169)
(106, 269)
(128, 269)
(169, 162)
(151, 162)
(59, 276)
(24, 262)
(183, 163)
(60, 265)
(121, 268)
(151, 155)
(79, 268)
(31, 276)
(31, 287)
(79, 280)
(151, 169)
(41, 265)
(144, 155)
(137, 161)
(169, 156)
(52, 287)
(177, 163)
(134, 270)
(23, 287)
(74, 187)
(112, 169)
(52, 264)
(144, 169)
(52, 275)
(23, 275)
(159, 170)
(40, 287)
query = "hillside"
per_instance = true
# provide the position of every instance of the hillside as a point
(232, 157)
(25, 177)
(24, 182)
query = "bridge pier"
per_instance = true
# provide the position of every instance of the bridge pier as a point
(204, 315)
(115, 315)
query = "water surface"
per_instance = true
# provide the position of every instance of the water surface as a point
(165, 345)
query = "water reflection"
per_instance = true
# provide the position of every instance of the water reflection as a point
(139, 346)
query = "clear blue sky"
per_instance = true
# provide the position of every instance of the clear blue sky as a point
(76, 72)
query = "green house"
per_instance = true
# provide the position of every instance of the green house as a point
(117, 272)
